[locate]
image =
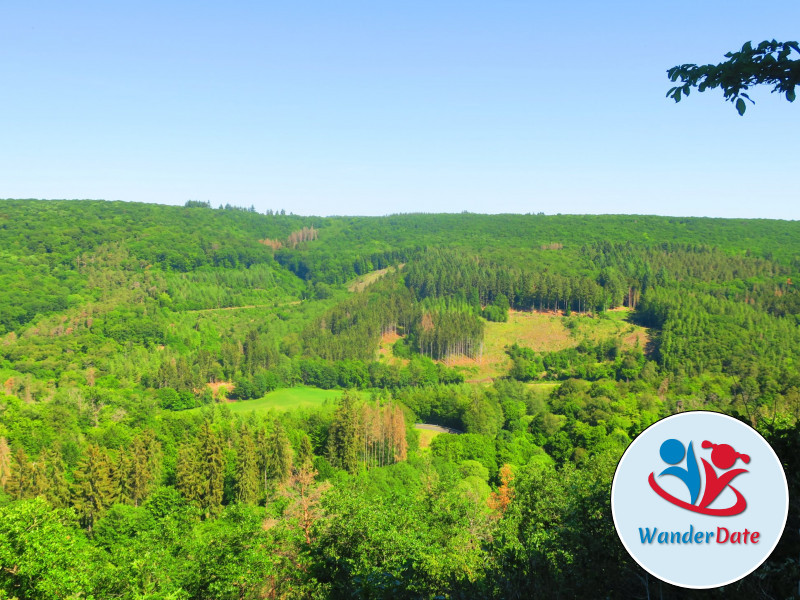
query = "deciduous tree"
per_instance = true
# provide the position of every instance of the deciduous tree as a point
(770, 63)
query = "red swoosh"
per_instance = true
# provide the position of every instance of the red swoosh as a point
(737, 508)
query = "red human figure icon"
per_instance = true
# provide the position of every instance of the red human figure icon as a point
(724, 457)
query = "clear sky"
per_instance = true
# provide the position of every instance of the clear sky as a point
(379, 107)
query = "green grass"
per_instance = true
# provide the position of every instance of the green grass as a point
(363, 281)
(426, 437)
(286, 399)
(546, 332)
(542, 390)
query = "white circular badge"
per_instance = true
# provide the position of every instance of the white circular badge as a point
(699, 499)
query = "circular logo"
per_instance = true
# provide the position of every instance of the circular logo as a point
(699, 499)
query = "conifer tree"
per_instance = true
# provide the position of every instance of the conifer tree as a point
(398, 433)
(188, 475)
(58, 492)
(5, 463)
(279, 454)
(144, 466)
(124, 480)
(212, 469)
(21, 480)
(247, 484)
(305, 454)
(40, 485)
(94, 490)
(262, 455)
(28, 479)
(344, 438)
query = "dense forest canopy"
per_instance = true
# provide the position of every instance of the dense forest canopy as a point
(206, 402)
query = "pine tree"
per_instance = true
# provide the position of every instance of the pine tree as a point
(94, 490)
(20, 481)
(144, 466)
(344, 438)
(305, 455)
(188, 475)
(124, 480)
(279, 454)
(5, 463)
(262, 455)
(40, 484)
(28, 479)
(212, 468)
(398, 434)
(247, 484)
(58, 493)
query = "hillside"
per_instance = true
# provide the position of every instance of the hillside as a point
(179, 381)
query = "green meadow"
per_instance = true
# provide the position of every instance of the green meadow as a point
(286, 399)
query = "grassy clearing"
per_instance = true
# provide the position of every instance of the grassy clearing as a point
(286, 399)
(367, 279)
(546, 332)
(542, 332)
(613, 324)
(385, 353)
(426, 437)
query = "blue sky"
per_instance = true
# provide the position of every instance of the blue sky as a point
(378, 107)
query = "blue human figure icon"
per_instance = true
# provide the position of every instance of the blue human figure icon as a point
(672, 452)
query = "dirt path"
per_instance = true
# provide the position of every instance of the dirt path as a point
(363, 281)
(437, 428)
(205, 310)
(484, 380)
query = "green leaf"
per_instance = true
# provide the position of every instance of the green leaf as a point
(741, 106)
(790, 95)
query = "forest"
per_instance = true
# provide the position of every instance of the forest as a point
(206, 402)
